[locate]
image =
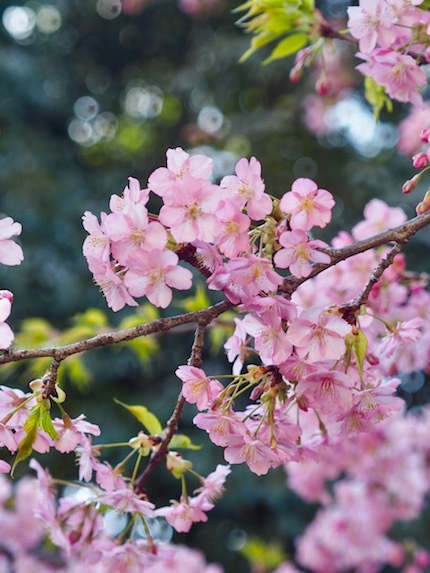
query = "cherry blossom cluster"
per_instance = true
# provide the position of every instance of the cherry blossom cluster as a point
(319, 370)
(86, 538)
(394, 38)
(75, 524)
(389, 484)
(133, 254)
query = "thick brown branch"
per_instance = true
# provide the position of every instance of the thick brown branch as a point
(400, 235)
(59, 353)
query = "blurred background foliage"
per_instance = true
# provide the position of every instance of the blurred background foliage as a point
(92, 92)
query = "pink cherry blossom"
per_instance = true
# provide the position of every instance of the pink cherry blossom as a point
(130, 230)
(181, 516)
(10, 252)
(258, 457)
(111, 284)
(198, 388)
(132, 195)
(179, 164)
(72, 432)
(126, 500)
(213, 485)
(154, 274)
(236, 347)
(246, 188)
(270, 340)
(372, 22)
(191, 210)
(233, 235)
(403, 332)
(6, 334)
(307, 205)
(318, 335)
(327, 391)
(245, 277)
(399, 74)
(298, 253)
(97, 244)
(379, 217)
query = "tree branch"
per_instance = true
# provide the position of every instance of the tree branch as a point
(59, 353)
(399, 235)
(172, 424)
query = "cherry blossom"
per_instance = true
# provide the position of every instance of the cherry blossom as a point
(10, 252)
(307, 205)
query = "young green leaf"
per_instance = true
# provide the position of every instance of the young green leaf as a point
(150, 421)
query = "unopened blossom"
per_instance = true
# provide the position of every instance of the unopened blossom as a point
(247, 187)
(307, 205)
(299, 253)
(372, 22)
(154, 274)
(318, 335)
(179, 164)
(399, 74)
(198, 388)
(10, 253)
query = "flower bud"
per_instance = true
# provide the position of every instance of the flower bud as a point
(425, 134)
(177, 465)
(322, 86)
(424, 206)
(411, 184)
(420, 160)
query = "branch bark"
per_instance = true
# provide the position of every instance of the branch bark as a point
(399, 235)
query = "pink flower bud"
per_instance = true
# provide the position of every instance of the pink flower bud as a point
(410, 184)
(420, 160)
(424, 135)
(322, 86)
(296, 74)
(424, 206)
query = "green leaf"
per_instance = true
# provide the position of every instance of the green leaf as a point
(45, 422)
(182, 442)
(288, 46)
(149, 420)
(359, 348)
(30, 428)
(376, 96)
(197, 302)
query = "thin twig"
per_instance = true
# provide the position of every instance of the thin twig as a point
(172, 424)
(355, 304)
